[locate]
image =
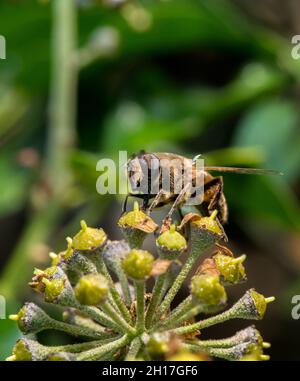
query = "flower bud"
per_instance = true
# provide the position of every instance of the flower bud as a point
(36, 283)
(231, 269)
(251, 306)
(158, 344)
(64, 256)
(208, 290)
(233, 353)
(76, 260)
(61, 356)
(91, 289)
(69, 252)
(223, 263)
(55, 286)
(55, 258)
(254, 353)
(27, 350)
(89, 239)
(32, 319)
(135, 225)
(171, 244)
(247, 351)
(30, 350)
(188, 356)
(249, 334)
(114, 253)
(210, 223)
(138, 264)
(204, 231)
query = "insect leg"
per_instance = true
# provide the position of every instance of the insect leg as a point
(181, 196)
(155, 202)
(146, 201)
(215, 199)
(124, 206)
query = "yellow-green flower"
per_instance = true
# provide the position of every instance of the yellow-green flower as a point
(92, 289)
(88, 238)
(231, 269)
(208, 290)
(138, 264)
(171, 244)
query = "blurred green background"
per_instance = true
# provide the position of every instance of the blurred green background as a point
(186, 76)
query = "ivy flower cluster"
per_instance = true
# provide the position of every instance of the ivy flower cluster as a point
(103, 286)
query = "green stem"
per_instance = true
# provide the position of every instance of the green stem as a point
(114, 292)
(109, 356)
(97, 353)
(87, 322)
(73, 348)
(125, 286)
(76, 330)
(62, 131)
(112, 302)
(110, 311)
(180, 310)
(166, 286)
(194, 311)
(157, 295)
(222, 343)
(231, 353)
(97, 315)
(176, 285)
(133, 349)
(227, 315)
(140, 305)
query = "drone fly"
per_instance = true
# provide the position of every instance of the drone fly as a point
(146, 173)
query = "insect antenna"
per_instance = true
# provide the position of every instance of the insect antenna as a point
(244, 171)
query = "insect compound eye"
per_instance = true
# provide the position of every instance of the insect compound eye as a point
(139, 172)
(131, 174)
(132, 168)
(134, 177)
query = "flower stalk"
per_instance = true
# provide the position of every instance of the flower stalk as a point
(140, 307)
(245, 308)
(156, 297)
(122, 322)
